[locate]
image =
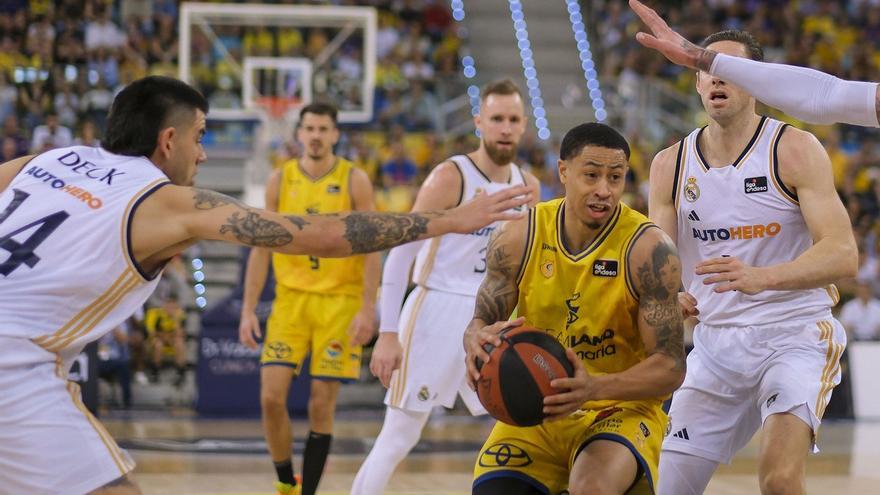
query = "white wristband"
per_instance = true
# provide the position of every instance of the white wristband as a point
(394, 284)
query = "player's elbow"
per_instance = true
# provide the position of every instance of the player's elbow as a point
(673, 379)
(850, 259)
(677, 377)
(674, 371)
(329, 246)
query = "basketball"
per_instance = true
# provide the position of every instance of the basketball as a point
(515, 380)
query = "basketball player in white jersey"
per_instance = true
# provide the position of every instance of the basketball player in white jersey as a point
(810, 95)
(418, 355)
(85, 233)
(762, 235)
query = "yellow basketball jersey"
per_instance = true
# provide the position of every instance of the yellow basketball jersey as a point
(586, 300)
(300, 194)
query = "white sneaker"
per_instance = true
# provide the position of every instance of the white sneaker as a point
(141, 377)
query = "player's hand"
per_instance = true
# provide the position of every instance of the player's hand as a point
(485, 209)
(666, 41)
(386, 357)
(688, 304)
(474, 340)
(249, 329)
(729, 273)
(362, 326)
(574, 391)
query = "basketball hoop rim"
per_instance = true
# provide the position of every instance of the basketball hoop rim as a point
(276, 107)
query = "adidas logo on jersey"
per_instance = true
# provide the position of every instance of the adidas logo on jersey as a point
(693, 217)
(756, 185)
(682, 434)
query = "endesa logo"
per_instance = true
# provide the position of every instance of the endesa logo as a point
(755, 185)
(741, 232)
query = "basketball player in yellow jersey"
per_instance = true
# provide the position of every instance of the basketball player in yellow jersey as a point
(323, 307)
(603, 280)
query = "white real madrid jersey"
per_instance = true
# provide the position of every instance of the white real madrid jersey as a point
(66, 272)
(456, 263)
(745, 211)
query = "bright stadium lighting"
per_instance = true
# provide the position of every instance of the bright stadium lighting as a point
(586, 57)
(468, 67)
(529, 71)
(199, 276)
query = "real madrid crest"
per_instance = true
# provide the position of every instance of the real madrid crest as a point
(691, 190)
(424, 393)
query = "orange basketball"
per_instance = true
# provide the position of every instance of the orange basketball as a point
(516, 379)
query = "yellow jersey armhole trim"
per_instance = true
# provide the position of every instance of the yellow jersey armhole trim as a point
(630, 285)
(527, 252)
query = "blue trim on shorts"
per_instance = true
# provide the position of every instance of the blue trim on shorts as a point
(281, 363)
(295, 367)
(626, 443)
(512, 474)
(339, 379)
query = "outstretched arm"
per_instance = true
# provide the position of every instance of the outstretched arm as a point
(807, 94)
(175, 217)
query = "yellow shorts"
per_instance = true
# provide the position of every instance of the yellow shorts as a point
(303, 323)
(543, 455)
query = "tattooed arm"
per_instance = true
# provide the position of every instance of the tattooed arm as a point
(498, 293)
(175, 217)
(655, 268)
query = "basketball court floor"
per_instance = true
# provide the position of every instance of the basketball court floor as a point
(179, 453)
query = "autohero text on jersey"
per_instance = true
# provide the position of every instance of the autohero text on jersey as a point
(79, 193)
(741, 232)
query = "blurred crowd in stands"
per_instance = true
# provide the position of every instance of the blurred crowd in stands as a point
(62, 62)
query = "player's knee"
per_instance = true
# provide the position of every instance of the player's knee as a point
(783, 480)
(322, 399)
(272, 402)
(321, 405)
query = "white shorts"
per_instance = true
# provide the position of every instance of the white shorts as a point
(49, 442)
(738, 376)
(432, 371)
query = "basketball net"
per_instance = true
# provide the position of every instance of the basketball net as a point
(278, 121)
